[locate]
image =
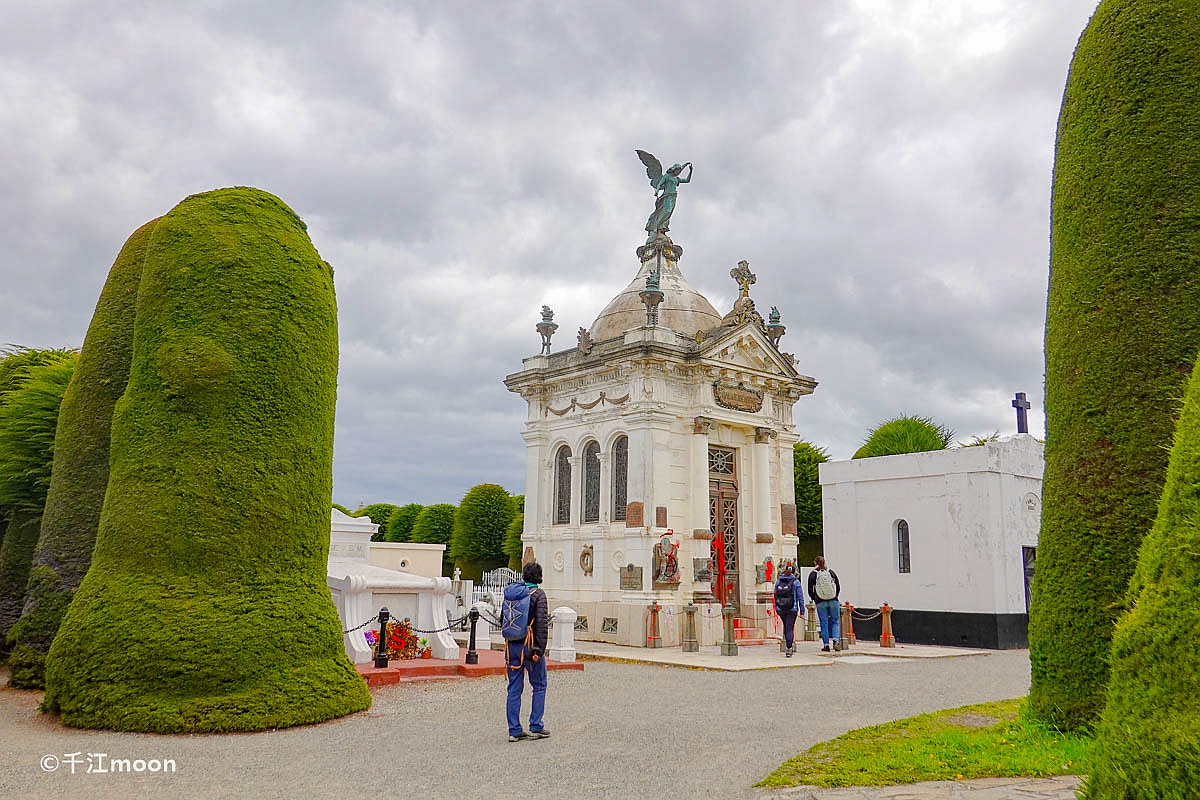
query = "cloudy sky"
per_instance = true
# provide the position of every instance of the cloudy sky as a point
(884, 166)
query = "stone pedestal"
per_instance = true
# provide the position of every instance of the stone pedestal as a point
(562, 640)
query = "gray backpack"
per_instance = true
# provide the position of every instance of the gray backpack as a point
(826, 588)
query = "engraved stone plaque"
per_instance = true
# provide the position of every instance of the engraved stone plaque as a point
(631, 578)
(633, 515)
(660, 517)
(788, 517)
(737, 398)
(760, 573)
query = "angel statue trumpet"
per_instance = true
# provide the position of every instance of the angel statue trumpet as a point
(666, 187)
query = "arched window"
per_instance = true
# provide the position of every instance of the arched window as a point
(591, 482)
(902, 551)
(620, 477)
(562, 486)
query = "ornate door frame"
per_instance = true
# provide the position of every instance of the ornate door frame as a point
(723, 523)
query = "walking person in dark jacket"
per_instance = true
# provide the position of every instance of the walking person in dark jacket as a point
(529, 657)
(789, 602)
(824, 589)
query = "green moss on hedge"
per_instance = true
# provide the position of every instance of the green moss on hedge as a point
(205, 608)
(80, 476)
(1122, 330)
(1148, 741)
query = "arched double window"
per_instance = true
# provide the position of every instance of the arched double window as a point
(591, 483)
(562, 486)
(620, 477)
(903, 561)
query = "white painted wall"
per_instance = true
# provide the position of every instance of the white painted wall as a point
(969, 512)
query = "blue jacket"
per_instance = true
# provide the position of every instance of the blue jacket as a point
(798, 602)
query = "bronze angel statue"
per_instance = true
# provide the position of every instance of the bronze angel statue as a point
(666, 187)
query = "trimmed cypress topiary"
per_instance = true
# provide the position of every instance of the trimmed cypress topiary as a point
(205, 608)
(1148, 741)
(806, 462)
(435, 525)
(379, 513)
(482, 520)
(400, 523)
(28, 419)
(1122, 330)
(513, 547)
(80, 476)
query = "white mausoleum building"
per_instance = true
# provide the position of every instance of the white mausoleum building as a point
(947, 538)
(659, 458)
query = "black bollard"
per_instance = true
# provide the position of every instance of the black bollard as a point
(381, 655)
(472, 656)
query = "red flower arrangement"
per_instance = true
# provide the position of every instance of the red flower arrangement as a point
(402, 642)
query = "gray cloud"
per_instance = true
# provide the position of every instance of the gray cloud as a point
(884, 166)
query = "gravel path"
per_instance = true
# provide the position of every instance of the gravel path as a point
(619, 731)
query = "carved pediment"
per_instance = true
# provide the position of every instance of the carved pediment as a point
(746, 349)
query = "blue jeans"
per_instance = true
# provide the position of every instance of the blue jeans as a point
(788, 618)
(520, 660)
(829, 613)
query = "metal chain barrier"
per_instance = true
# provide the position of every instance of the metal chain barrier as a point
(449, 625)
(865, 618)
(365, 624)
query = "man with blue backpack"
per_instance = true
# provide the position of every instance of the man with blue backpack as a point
(789, 602)
(524, 623)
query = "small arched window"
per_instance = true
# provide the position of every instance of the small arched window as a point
(562, 486)
(591, 482)
(620, 477)
(902, 551)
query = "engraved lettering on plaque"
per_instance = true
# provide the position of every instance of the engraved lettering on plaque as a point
(633, 515)
(788, 517)
(660, 517)
(631, 578)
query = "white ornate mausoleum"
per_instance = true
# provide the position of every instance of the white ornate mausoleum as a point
(659, 458)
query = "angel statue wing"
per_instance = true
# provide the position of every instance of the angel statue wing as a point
(653, 168)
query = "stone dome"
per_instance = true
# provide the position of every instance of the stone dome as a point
(683, 309)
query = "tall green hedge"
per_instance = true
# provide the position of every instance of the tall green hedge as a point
(513, 547)
(400, 523)
(435, 525)
(80, 476)
(379, 513)
(807, 459)
(1122, 330)
(205, 608)
(28, 419)
(477, 543)
(1148, 741)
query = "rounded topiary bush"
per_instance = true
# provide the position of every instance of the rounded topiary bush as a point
(400, 523)
(379, 513)
(206, 608)
(905, 435)
(435, 525)
(482, 520)
(80, 475)
(1122, 330)
(1148, 741)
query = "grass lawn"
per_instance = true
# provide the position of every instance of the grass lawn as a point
(990, 740)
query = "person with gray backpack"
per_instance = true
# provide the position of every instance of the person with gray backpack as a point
(824, 588)
(524, 625)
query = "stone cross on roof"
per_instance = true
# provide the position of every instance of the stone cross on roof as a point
(1021, 405)
(745, 278)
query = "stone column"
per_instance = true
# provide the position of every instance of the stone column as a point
(605, 460)
(562, 642)
(535, 484)
(698, 512)
(576, 462)
(761, 482)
